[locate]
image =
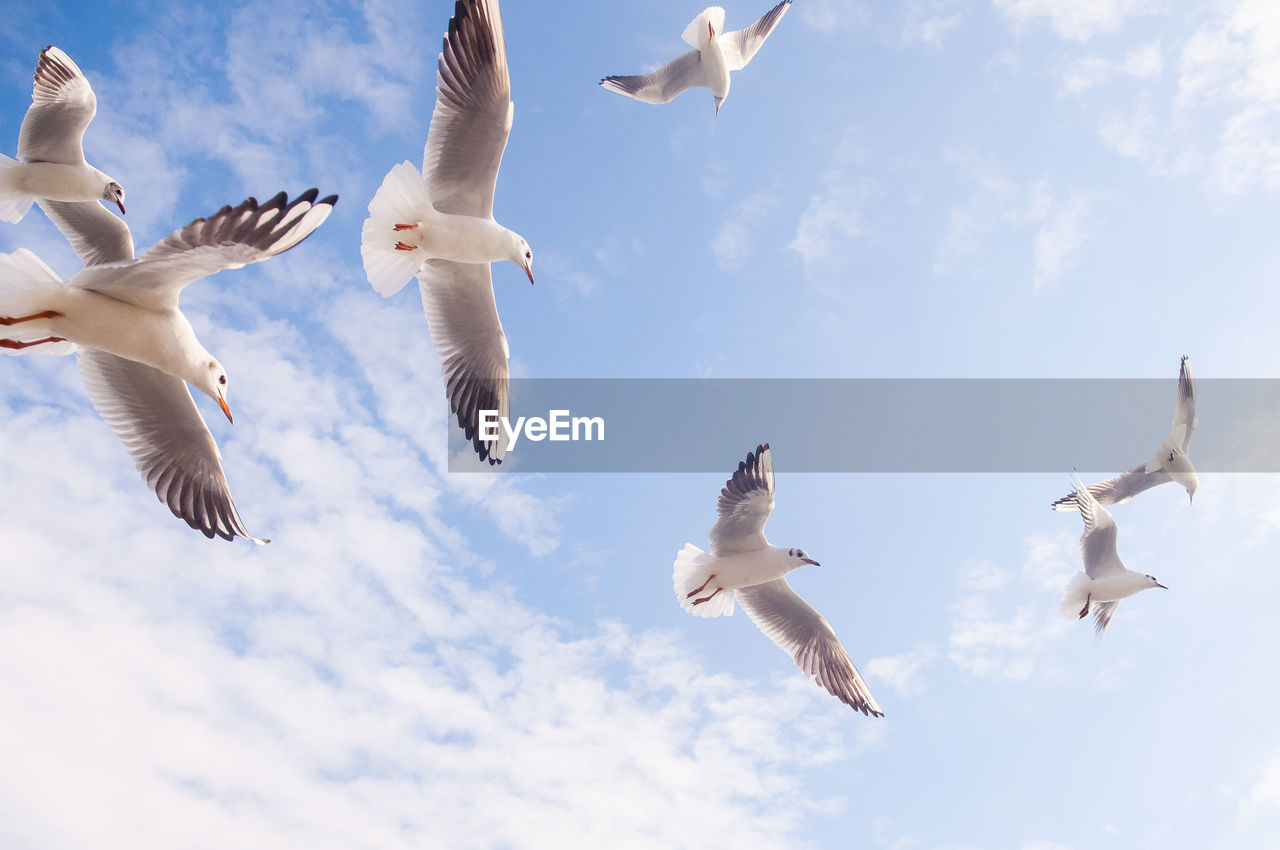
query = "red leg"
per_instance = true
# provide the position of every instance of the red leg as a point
(400, 246)
(400, 227)
(14, 344)
(47, 314)
(1085, 610)
(699, 589)
(702, 599)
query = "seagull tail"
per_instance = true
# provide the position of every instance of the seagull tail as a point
(1074, 597)
(697, 34)
(27, 287)
(398, 201)
(14, 203)
(692, 579)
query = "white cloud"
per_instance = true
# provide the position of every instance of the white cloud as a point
(1263, 799)
(1077, 20)
(829, 226)
(830, 16)
(901, 673)
(1063, 228)
(736, 241)
(1143, 63)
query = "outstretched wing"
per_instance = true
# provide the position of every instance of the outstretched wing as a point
(97, 235)
(738, 47)
(1118, 490)
(473, 113)
(62, 105)
(745, 504)
(1184, 415)
(228, 239)
(152, 413)
(680, 74)
(1098, 542)
(463, 318)
(808, 638)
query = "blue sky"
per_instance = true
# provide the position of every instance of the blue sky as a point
(1015, 188)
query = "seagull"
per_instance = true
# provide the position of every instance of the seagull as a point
(50, 161)
(1170, 463)
(1104, 580)
(439, 223)
(136, 348)
(715, 53)
(743, 564)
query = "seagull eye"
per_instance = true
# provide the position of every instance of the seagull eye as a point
(528, 255)
(222, 379)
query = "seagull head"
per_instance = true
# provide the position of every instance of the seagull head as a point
(114, 193)
(799, 555)
(1154, 583)
(215, 386)
(522, 255)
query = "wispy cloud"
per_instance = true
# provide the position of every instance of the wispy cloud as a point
(1073, 19)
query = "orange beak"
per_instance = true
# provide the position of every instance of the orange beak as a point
(529, 272)
(226, 408)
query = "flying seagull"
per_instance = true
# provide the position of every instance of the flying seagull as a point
(715, 53)
(50, 163)
(439, 223)
(743, 565)
(1104, 580)
(1170, 463)
(136, 348)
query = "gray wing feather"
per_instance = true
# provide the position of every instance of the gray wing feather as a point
(462, 316)
(228, 239)
(808, 638)
(62, 105)
(1102, 614)
(473, 112)
(1098, 542)
(153, 414)
(738, 47)
(97, 235)
(1118, 490)
(680, 74)
(1184, 415)
(746, 500)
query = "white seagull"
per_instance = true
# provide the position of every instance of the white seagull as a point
(1171, 463)
(715, 53)
(135, 346)
(439, 223)
(1104, 580)
(50, 163)
(743, 564)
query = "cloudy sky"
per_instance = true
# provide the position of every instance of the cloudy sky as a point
(931, 188)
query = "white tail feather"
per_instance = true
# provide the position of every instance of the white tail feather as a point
(13, 202)
(399, 199)
(26, 285)
(697, 34)
(1073, 599)
(691, 570)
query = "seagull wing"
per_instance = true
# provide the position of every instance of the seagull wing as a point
(152, 413)
(745, 504)
(463, 319)
(1184, 415)
(1118, 490)
(97, 235)
(62, 105)
(807, 637)
(1098, 542)
(473, 112)
(228, 239)
(1102, 614)
(680, 74)
(738, 47)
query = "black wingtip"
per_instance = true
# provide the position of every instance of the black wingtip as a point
(330, 201)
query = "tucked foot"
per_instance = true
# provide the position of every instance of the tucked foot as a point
(697, 590)
(400, 246)
(702, 599)
(14, 344)
(400, 227)
(47, 314)
(1084, 612)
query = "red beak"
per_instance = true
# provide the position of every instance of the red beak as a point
(120, 204)
(811, 561)
(529, 272)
